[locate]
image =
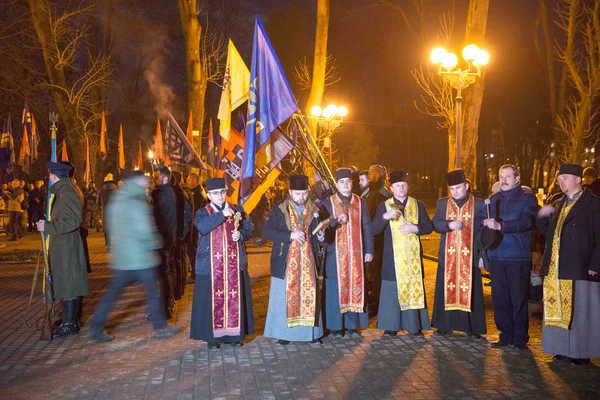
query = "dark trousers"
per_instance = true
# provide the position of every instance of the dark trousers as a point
(16, 230)
(122, 278)
(509, 299)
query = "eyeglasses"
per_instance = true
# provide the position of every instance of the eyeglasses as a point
(222, 192)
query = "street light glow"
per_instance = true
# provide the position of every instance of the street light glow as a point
(492, 155)
(470, 52)
(482, 58)
(342, 111)
(437, 55)
(315, 111)
(150, 154)
(450, 61)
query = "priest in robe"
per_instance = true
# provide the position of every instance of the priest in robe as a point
(349, 247)
(458, 302)
(222, 304)
(403, 220)
(294, 312)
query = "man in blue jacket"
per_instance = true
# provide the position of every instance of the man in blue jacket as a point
(512, 214)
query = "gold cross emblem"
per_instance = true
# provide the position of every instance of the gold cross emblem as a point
(452, 250)
(464, 287)
(232, 256)
(465, 251)
(452, 216)
(467, 216)
(233, 292)
(451, 286)
(218, 256)
(219, 293)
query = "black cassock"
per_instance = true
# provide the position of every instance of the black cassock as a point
(455, 320)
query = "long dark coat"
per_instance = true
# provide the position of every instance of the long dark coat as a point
(66, 251)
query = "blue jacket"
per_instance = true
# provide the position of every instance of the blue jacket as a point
(205, 224)
(515, 209)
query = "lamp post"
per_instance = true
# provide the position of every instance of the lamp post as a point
(329, 119)
(459, 79)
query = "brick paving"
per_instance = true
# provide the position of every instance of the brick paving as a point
(137, 366)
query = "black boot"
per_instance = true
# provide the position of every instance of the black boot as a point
(70, 312)
(80, 312)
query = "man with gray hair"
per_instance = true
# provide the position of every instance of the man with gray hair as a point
(512, 214)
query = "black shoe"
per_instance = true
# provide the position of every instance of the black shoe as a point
(417, 334)
(580, 361)
(441, 333)
(283, 342)
(337, 334)
(70, 310)
(390, 333)
(353, 333)
(520, 346)
(236, 344)
(316, 341)
(66, 330)
(213, 346)
(558, 357)
(100, 337)
(166, 331)
(500, 344)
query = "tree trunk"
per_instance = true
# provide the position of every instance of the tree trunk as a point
(192, 33)
(317, 86)
(475, 33)
(56, 76)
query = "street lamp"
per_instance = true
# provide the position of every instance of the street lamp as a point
(329, 119)
(459, 79)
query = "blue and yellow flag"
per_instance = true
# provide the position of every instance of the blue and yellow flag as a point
(270, 103)
(7, 152)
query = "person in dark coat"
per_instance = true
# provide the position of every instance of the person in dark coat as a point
(107, 190)
(65, 251)
(571, 266)
(294, 271)
(455, 309)
(37, 201)
(590, 180)
(402, 219)
(512, 214)
(199, 199)
(222, 307)
(165, 215)
(178, 255)
(349, 248)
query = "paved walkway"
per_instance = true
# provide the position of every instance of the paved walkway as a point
(136, 365)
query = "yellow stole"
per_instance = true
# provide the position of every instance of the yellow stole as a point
(407, 258)
(558, 293)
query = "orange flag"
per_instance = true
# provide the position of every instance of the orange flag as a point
(121, 148)
(158, 142)
(140, 162)
(25, 149)
(64, 156)
(190, 131)
(86, 172)
(103, 149)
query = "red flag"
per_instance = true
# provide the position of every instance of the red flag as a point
(86, 172)
(190, 131)
(158, 142)
(35, 139)
(210, 155)
(64, 156)
(140, 162)
(25, 149)
(121, 148)
(103, 146)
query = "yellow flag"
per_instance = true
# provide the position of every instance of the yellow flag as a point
(158, 142)
(236, 85)
(103, 147)
(121, 148)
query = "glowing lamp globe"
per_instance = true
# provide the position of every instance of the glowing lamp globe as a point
(482, 58)
(315, 111)
(150, 154)
(437, 55)
(470, 52)
(342, 111)
(450, 61)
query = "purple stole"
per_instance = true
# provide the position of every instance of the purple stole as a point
(225, 273)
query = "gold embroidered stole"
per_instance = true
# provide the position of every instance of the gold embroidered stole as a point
(349, 256)
(558, 293)
(407, 258)
(300, 274)
(458, 263)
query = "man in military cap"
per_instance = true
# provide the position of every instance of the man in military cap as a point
(65, 251)
(458, 303)
(222, 305)
(402, 219)
(290, 226)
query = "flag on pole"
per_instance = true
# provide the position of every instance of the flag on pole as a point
(7, 151)
(121, 148)
(271, 102)
(179, 150)
(24, 153)
(236, 84)
(210, 156)
(86, 172)
(140, 162)
(35, 139)
(64, 156)
(159, 148)
(103, 141)
(190, 130)
(26, 121)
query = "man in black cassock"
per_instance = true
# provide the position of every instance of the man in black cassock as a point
(458, 302)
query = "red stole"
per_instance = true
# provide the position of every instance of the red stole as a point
(349, 256)
(458, 272)
(225, 272)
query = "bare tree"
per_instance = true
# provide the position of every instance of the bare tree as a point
(364, 151)
(303, 77)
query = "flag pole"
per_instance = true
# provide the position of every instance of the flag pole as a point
(312, 147)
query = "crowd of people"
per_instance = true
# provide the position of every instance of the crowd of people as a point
(341, 253)
(22, 205)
